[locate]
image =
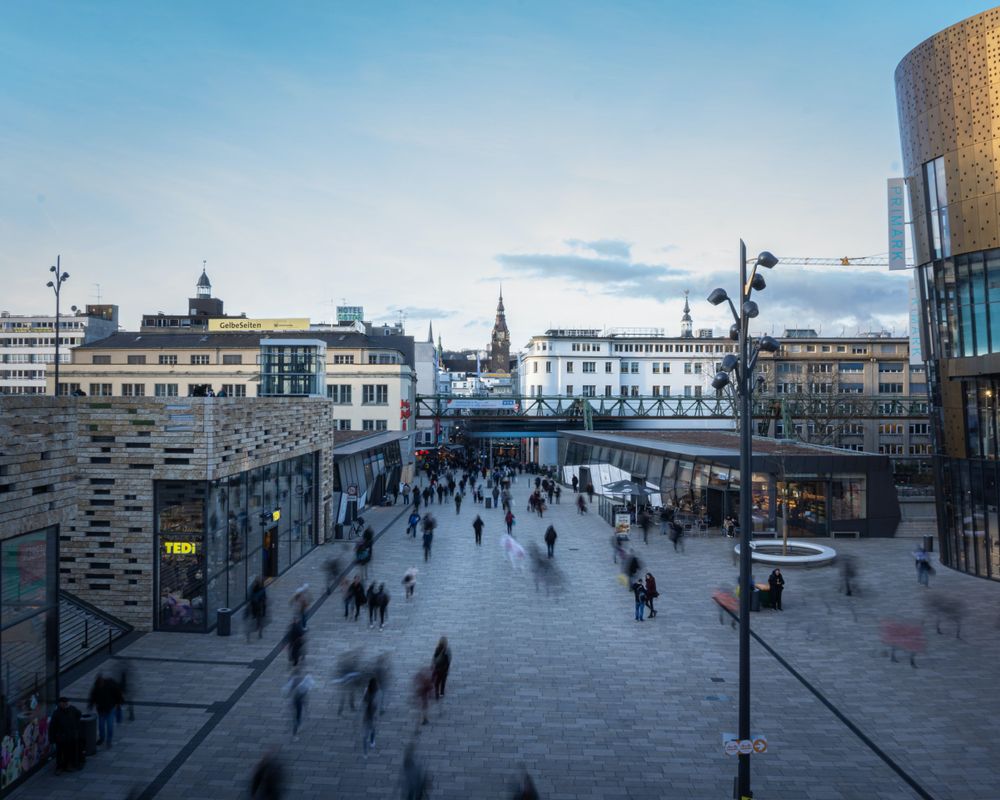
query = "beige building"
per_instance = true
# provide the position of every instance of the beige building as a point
(853, 392)
(368, 377)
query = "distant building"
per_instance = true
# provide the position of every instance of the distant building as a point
(28, 344)
(500, 341)
(201, 308)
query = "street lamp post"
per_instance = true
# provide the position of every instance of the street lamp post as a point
(743, 365)
(58, 278)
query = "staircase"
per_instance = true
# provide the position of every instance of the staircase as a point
(84, 630)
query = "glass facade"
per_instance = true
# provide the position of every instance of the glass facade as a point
(292, 368)
(29, 647)
(214, 537)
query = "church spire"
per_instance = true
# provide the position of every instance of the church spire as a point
(430, 332)
(686, 332)
(204, 286)
(500, 340)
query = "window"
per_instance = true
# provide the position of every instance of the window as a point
(343, 359)
(136, 359)
(890, 388)
(381, 425)
(100, 390)
(339, 393)
(635, 391)
(920, 449)
(569, 367)
(635, 367)
(665, 391)
(841, 348)
(534, 365)
(100, 359)
(169, 361)
(233, 390)
(375, 394)
(666, 367)
(165, 389)
(656, 391)
(623, 391)
(824, 367)
(548, 368)
(656, 367)
(590, 366)
(200, 360)
(608, 366)
(133, 390)
(589, 390)
(890, 429)
(825, 348)
(936, 205)
(697, 391)
(918, 428)
(575, 347)
(819, 388)
(890, 449)
(232, 359)
(687, 391)
(855, 367)
(569, 389)
(343, 424)
(810, 348)
(697, 368)
(607, 391)
(687, 368)
(859, 350)
(890, 366)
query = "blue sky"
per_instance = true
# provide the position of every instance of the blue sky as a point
(598, 158)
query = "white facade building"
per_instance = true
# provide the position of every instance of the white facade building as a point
(28, 344)
(620, 362)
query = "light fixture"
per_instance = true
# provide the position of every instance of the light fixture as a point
(720, 381)
(768, 344)
(718, 296)
(766, 259)
(757, 283)
(750, 309)
(729, 362)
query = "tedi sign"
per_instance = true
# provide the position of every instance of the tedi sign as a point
(180, 548)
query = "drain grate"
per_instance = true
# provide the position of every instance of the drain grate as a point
(718, 680)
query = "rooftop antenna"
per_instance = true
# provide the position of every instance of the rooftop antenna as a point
(98, 293)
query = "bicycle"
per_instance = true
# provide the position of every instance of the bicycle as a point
(357, 529)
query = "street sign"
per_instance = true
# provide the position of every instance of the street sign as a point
(746, 747)
(760, 745)
(352, 490)
(732, 747)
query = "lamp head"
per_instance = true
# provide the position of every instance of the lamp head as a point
(50, 284)
(750, 309)
(758, 284)
(65, 275)
(729, 363)
(52, 269)
(769, 344)
(718, 296)
(720, 381)
(766, 259)
(734, 332)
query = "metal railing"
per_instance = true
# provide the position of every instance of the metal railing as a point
(84, 630)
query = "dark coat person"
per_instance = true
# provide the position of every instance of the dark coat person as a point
(441, 666)
(776, 584)
(550, 540)
(65, 731)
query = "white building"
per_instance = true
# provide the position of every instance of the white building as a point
(28, 344)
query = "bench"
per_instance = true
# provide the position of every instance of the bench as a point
(844, 534)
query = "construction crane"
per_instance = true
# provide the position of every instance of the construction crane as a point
(843, 261)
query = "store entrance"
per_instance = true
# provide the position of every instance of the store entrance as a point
(270, 554)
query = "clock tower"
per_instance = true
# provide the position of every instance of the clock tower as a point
(500, 342)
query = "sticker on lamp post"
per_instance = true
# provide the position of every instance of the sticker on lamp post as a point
(733, 745)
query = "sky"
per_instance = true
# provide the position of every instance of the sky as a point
(597, 159)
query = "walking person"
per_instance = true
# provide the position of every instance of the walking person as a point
(258, 607)
(369, 709)
(776, 585)
(590, 492)
(923, 565)
(644, 523)
(477, 526)
(415, 780)
(576, 484)
(382, 601)
(406, 494)
(410, 581)
(423, 686)
(297, 690)
(428, 538)
(639, 590)
(558, 493)
(458, 502)
(651, 593)
(411, 524)
(416, 500)
(441, 665)
(300, 603)
(363, 552)
(677, 536)
(296, 639)
(371, 597)
(268, 779)
(105, 697)
(125, 677)
(496, 495)
(509, 521)
(550, 540)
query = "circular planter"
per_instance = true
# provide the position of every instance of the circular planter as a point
(801, 553)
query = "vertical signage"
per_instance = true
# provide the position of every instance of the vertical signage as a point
(897, 222)
(916, 352)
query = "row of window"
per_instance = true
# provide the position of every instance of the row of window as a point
(680, 348)
(820, 387)
(590, 390)
(854, 349)
(48, 341)
(27, 327)
(366, 425)
(34, 358)
(235, 358)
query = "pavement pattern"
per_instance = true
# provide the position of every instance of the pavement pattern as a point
(570, 687)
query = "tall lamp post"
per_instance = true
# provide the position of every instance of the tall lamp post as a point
(743, 366)
(58, 279)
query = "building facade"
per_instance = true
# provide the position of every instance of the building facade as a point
(368, 377)
(28, 344)
(947, 91)
(857, 393)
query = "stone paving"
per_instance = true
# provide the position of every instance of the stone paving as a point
(592, 703)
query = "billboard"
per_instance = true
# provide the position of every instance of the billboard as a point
(244, 325)
(896, 208)
(508, 404)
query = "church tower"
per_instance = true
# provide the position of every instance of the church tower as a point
(500, 342)
(204, 288)
(686, 332)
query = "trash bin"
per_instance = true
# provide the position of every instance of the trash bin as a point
(338, 531)
(755, 600)
(88, 724)
(489, 502)
(929, 544)
(224, 622)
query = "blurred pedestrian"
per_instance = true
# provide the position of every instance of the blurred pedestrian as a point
(268, 779)
(411, 524)
(550, 540)
(848, 573)
(372, 600)
(644, 523)
(428, 537)
(126, 682)
(776, 585)
(300, 604)
(357, 593)
(363, 552)
(332, 568)
(923, 565)
(296, 639)
(632, 566)
(496, 495)
(441, 665)
(513, 550)
(258, 607)
(423, 687)
(105, 697)
(558, 492)
(297, 691)
(382, 600)
(477, 526)
(677, 536)
(458, 502)
(590, 492)
(509, 521)
(415, 780)
(525, 789)
(349, 676)
(369, 709)
(581, 505)
(410, 581)
(651, 593)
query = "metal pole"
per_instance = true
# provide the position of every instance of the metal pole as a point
(57, 285)
(743, 784)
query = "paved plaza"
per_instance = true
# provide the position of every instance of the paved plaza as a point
(569, 686)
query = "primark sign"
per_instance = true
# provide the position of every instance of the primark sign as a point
(897, 223)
